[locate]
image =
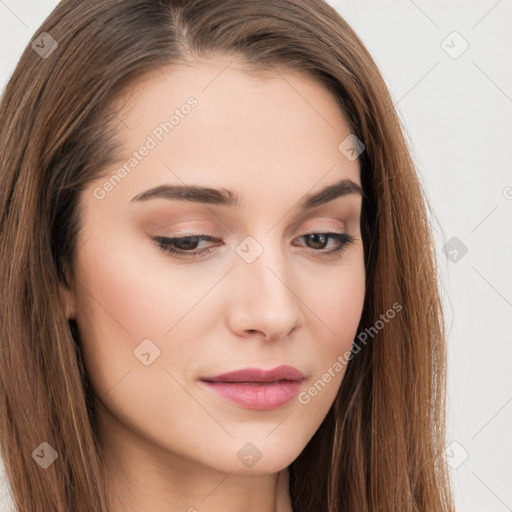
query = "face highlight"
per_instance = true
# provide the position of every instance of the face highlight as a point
(216, 252)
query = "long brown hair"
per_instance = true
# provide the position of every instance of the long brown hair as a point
(381, 446)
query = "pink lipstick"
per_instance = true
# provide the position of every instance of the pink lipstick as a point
(255, 388)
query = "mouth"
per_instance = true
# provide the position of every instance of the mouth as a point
(257, 389)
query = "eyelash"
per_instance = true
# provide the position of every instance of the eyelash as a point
(165, 244)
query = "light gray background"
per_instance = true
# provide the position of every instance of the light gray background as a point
(457, 112)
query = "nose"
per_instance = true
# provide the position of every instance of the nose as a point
(264, 302)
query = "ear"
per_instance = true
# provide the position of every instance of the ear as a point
(68, 296)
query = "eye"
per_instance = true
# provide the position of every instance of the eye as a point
(187, 246)
(322, 239)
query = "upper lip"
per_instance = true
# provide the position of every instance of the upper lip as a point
(283, 372)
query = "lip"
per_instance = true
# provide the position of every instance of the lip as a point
(283, 372)
(256, 388)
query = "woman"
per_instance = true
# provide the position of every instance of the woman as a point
(296, 361)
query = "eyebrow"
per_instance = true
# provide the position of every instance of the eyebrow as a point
(224, 197)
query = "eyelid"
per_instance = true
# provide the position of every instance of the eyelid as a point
(324, 229)
(217, 236)
(195, 232)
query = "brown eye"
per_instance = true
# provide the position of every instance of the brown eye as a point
(187, 246)
(318, 241)
(184, 246)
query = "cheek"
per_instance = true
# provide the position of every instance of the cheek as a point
(343, 310)
(114, 312)
(128, 293)
(338, 306)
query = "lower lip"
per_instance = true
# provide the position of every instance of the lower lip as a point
(259, 396)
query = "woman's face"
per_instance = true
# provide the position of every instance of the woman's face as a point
(259, 293)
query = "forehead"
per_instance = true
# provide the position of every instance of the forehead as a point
(279, 132)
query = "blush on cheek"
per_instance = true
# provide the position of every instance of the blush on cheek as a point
(114, 279)
(341, 309)
(107, 315)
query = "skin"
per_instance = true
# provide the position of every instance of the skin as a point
(169, 442)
